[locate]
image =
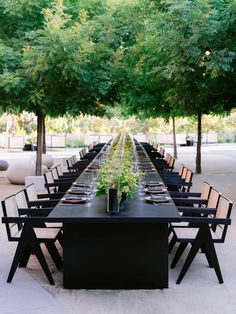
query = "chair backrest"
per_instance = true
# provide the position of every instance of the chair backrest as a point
(21, 199)
(162, 151)
(49, 179)
(188, 179)
(181, 170)
(224, 209)
(59, 170)
(81, 154)
(74, 159)
(206, 188)
(171, 162)
(184, 173)
(10, 209)
(69, 162)
(167, 157)
(213, 198)
(30, 193)
(54, 173)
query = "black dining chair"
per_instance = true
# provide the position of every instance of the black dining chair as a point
(41, 199)
(29, 238)
(58, 185)
(203, 236)
(195, 207)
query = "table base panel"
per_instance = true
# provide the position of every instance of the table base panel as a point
(115, 256)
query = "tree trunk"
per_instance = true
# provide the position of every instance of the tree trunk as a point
(40, 118)
(199, 143)
(174, 139)
(44, 136)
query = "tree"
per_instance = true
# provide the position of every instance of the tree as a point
(174, 76)
(58, 69)
(197, 77)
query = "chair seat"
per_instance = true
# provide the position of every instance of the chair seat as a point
(189, 234)
(43, 233)
(54, 224)
(179, 224)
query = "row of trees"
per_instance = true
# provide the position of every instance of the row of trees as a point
(26, 124)
(150, 58)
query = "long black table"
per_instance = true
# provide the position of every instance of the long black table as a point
(127, 250)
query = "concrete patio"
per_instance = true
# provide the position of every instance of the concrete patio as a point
(199, 291)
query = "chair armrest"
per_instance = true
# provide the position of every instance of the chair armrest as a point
(58, 183)
(68, 175)
(35, 211)
(197, 210)
(44, 203)
(207, 220)
(190, 201)
(67, 179)
(56, 195)
(184, 194)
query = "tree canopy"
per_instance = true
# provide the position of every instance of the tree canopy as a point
(153, 58)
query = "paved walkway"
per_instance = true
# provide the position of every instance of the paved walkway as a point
(199, 291)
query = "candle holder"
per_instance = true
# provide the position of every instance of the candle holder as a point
(112, 201)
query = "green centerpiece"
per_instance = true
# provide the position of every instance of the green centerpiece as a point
(118, 171)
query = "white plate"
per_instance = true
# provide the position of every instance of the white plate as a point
(158, 199)
(150, 191)
(74, 200)
(153, 183)
(78, 191)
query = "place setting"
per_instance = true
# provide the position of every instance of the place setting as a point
(154, 190)
(152, 183)
(77, 194)
(83, 185)
(158, 199)
(73, 199)
(79, 191)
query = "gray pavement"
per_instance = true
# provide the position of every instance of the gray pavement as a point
(199, 291)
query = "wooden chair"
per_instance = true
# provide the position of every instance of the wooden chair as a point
(208, 197)
(77, 167)
(45, 205)
(171, 164)
(41, 200)
(203, 236)
(209, 205)
(173, 174)
(182, 184)
(23, 202)
(29, 238)
(58, 174)
(192, 197)
(56, 186)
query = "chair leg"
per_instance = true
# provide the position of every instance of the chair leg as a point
(203, 239)
(203, 250)
(35, 246)
(179, 252)
(172, 243)
(211, 252)
(54, 255)
(60, 239)
(18, 254)
(25, 258)
(42, 261)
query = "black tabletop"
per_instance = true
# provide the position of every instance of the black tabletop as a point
(136, 210)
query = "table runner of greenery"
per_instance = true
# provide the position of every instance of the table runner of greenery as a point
(118, 171)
